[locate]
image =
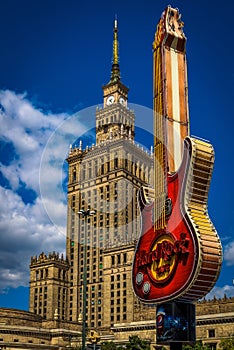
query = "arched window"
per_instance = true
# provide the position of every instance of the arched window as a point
(74, 175)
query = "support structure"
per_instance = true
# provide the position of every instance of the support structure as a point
(85, 214)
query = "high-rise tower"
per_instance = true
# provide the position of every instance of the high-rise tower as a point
(106, 178)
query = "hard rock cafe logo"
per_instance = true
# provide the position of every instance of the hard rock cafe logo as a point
(161, 261)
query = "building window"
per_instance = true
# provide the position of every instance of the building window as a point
(83, 173)
(112, 260)
(116, 163)
(89, 170)
(101, 192)
(126, 164)
(102, 169)
(74, 176)
(211, 333)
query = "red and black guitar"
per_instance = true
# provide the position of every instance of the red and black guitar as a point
(179, 254)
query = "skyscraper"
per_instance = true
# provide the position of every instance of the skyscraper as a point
(106, 178)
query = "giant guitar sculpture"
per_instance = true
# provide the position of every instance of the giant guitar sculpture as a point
(179, 254)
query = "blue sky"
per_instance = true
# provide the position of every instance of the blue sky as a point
(55, 56)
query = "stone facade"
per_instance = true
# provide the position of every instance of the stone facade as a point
(26, 330)
(214, 322)
(106, 178)
(48, 285)
(112, 193)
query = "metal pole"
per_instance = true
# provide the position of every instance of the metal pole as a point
(85, 214)
(84, 287)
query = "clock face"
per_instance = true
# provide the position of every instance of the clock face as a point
(110, 100)
(121, 100)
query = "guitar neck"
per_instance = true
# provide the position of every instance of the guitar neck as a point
(160, 154)
(172, 82)
(170, 105)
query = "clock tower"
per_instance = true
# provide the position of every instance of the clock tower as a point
(115, 120)
(105, 178)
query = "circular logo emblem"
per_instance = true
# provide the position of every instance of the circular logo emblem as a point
(159, 320)
(163, 258)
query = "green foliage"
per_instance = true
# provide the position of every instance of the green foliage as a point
(108, 345)
(197, 346)
(136, 343)
(227, 344)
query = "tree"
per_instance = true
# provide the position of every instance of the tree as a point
(136, 343)
(108, 345)
(227, 344)
(197, 346)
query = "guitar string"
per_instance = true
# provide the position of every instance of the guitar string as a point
(159, 145)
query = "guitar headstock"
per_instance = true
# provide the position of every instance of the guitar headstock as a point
(170, 30)
(173, 23)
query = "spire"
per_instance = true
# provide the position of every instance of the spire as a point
(115, 71)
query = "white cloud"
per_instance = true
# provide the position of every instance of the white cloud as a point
(39, 144)
(25, 230)
(229, 253)
(220, 292)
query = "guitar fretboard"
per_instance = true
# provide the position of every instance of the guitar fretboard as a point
(171, 124)
(160, 161)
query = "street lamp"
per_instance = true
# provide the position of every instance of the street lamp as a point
(85, 214)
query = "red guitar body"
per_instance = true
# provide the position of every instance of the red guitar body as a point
(176, 261)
